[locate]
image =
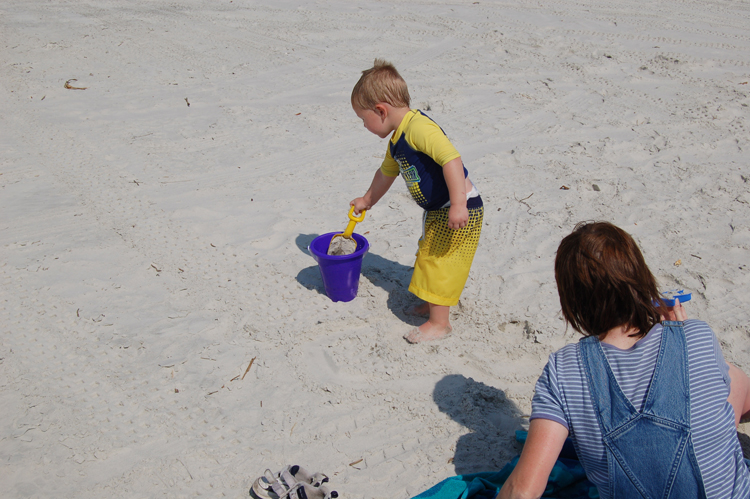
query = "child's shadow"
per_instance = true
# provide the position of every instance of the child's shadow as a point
(491, 417)
(386, 274)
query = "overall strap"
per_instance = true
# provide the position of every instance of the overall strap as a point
(669, 393)
(610, 404)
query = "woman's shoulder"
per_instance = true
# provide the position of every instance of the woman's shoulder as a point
(699, 335)
(697, 327)
(571, 349)
(565, 358)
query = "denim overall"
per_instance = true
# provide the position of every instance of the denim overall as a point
(649, 453)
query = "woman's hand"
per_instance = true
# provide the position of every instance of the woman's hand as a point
(676, 313)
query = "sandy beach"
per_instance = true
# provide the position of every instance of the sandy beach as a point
(164, 166)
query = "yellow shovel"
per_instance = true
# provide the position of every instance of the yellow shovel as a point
(349, 229)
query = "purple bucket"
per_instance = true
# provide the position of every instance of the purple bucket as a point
(340, 273)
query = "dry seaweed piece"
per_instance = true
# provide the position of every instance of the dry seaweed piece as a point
(71, 87)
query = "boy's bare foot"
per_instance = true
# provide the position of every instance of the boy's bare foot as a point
(427, 332)
(421, 310)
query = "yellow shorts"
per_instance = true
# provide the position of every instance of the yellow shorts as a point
(445, 255)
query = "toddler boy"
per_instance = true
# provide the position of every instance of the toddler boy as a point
(438, 182)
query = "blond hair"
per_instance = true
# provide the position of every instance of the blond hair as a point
(380, 83)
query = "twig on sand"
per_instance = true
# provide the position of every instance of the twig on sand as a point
(71, 87)
(186, 469)
(356, 462)
(523, 202)
(248, 367)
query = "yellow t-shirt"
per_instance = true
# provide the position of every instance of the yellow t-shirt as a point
(418, 150)
(423, 135)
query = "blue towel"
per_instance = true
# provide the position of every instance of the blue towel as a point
(566, 481)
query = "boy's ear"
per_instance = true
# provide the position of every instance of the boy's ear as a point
(382, 110)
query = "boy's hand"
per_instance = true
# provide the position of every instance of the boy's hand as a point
(458, 217)
(359, 205)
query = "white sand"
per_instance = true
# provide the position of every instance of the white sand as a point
(150, 249)
(341, 246)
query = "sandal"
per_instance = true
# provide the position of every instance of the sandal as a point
(298, 491)
(307, 491)
(293, 482)
(301, 475)
(269, 486)
(323, 493)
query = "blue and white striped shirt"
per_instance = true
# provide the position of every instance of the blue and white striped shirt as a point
(562, 395)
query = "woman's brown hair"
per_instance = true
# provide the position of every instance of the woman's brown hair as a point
(604, 282)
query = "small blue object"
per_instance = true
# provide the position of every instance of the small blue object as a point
(680, 294)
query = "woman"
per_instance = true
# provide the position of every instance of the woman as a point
(651, 407)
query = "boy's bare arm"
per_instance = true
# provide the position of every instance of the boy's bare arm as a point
(379, 186)
(458, 215)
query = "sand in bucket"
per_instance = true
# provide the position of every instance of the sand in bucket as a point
(341, 246)
(340, 273)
